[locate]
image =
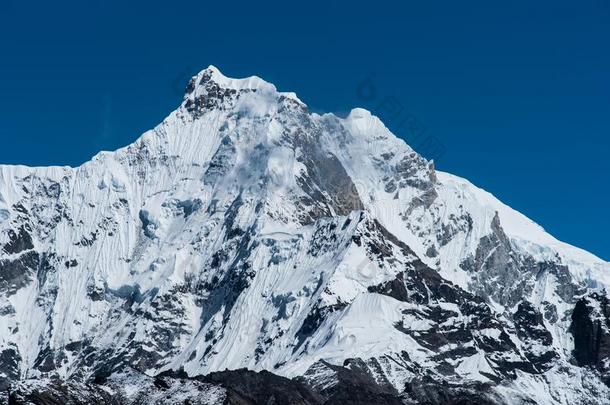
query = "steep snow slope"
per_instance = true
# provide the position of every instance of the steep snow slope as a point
(245, 232)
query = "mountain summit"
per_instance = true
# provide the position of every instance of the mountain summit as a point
(247, 250)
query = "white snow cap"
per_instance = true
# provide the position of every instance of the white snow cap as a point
(251, 82)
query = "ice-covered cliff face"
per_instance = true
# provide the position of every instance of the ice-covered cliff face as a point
(247, 232)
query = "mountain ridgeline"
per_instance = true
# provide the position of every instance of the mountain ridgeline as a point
(248, 251)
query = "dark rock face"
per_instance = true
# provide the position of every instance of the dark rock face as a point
(212, 95)
(247, 387)
(455, 225)
(9, 366)
(343, 385)
(461, 332)
(15, 274)
(501, 273)
(427, 391)
(323, 384)
(18, 241)
(591, 331)
(63, 393)
(337, 191)
(311, 323)
(408, 171)
(238, 387)
(221, 162)
(496, 264)
(535, 337)
(328, 187)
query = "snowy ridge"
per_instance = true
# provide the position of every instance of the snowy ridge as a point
(245, 232)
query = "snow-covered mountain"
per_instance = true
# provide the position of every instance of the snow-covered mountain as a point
(245, 232)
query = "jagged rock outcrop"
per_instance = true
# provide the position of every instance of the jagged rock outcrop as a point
(590, 329)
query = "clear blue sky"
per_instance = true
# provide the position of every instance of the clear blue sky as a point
(518, 93)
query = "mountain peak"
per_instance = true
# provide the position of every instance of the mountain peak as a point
(212, 77)
(247, 232)
(212, 73)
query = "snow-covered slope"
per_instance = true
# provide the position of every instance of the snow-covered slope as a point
(246, 232)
